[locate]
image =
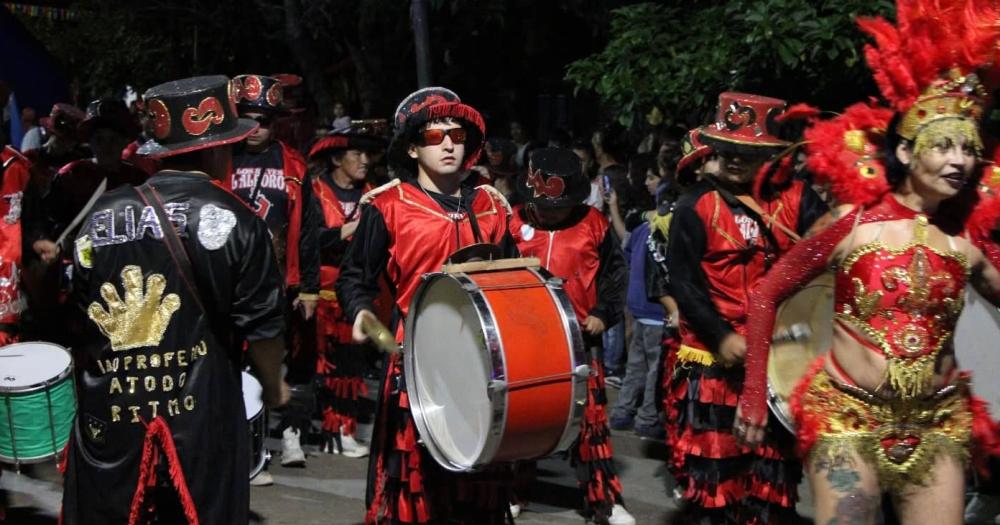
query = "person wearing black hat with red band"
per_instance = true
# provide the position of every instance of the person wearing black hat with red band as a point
(341, 160)
(270, 176)
(173, 277)
(574, 241)
(722, 240)
(408, 229)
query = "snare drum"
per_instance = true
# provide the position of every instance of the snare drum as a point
(494, 366)
(803, 329)
(37, 401)
(257, 423)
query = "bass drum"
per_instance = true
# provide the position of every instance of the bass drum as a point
(803, 330)
(976, 339)
(494, 367)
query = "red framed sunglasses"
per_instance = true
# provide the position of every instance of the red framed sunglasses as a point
(433, 137)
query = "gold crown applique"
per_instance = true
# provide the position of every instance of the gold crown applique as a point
(139, 320)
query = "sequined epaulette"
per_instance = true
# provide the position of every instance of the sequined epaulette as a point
(370, 196)
(497, 195)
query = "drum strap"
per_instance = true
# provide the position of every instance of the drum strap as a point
(176, 248)
(771, 246)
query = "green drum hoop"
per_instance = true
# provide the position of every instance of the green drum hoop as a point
(36, 415)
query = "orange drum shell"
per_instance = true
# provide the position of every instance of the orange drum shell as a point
(538, 359)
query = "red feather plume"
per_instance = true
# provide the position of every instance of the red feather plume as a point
(843, 153)
(931, 36)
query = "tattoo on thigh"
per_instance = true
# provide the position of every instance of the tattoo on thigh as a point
(840, 470)
(855, 508)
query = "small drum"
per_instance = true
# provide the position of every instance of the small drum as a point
(253, 394)
(37, 401)
(803, 329)
(494, 365)
(976, 337)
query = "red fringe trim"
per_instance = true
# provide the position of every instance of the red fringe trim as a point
(709, 444)
(411, 505)
(717, 391)
(807, 423)
(764, 490)
(715, 496)
(603, 487)
(985, 435)
(158, 431)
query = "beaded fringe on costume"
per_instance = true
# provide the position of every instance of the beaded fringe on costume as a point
(407, 486)
(901, 438)
(723, 481)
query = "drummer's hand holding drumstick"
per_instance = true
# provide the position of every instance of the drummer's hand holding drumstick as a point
(46, 250)
(266, 356)
(368, 327)
(358, 331)
(593, 325)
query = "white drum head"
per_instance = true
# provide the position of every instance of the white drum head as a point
(23, 365)
(449, 376)
(976, 337)
(253, 395)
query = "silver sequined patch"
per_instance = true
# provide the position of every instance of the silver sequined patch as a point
(214, 226)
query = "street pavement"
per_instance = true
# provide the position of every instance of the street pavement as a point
(330, 490)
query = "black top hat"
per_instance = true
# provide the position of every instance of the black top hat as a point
(555, 179)
(192, 114)
(108, 113)
(258, 93)
(425, 105)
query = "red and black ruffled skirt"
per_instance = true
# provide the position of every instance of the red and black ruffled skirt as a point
(722, 481)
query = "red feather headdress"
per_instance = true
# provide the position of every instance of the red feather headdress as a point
(925, 66)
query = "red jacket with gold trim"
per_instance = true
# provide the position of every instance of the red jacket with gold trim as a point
(717, 254)
(407, 232)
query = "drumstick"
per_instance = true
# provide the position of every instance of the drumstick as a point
(379, 334)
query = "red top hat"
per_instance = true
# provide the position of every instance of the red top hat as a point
(745, 122)
(693, 149)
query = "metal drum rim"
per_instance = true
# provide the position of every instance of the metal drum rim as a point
(36, 387)
(416, 408)
(574, 341)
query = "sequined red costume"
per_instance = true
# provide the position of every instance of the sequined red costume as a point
(405, 232)
(907, 300)
(717, 254)
(586, 254)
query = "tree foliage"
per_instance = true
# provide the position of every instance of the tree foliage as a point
(679, 55)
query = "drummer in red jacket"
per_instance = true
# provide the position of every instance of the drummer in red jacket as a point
(408, 229)
(574, 242)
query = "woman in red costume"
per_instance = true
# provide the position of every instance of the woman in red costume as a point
(342, 160)
(887, 409)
